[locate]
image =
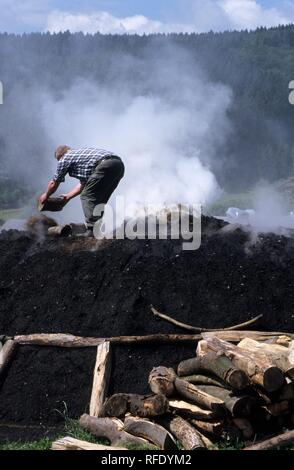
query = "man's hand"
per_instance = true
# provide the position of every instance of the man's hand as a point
(43, 198)
(65, 197)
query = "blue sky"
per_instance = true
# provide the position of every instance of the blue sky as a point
(142, 16)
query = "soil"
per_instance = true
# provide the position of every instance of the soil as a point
(69, 286)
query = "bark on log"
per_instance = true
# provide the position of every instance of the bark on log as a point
(161, 381)
(187, 436)
(144, 406)
(188, 410)
(204, 380)
(245, 427)
(154, 433)
(69, 341)
(278, 355)
(194, 394)
(69, 443)
(110, 429)
(238, 406)
(214, 428)
(6, 355)
(237, 336)
(283, 440)
(101, 379)
(260, 370)
(278, 409)
(219, 365)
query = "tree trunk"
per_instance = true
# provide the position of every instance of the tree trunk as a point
(219, 365)
(101, 379)
(283, 440)
(154, 433)
(245, 427)
(238, 406)
(69, 443)
(214, 428)
(187, 436)
(161, 381)
(260, 370)
(188, 410)
(144, 406)
(110, 429)
(278, 409)
(194, 394)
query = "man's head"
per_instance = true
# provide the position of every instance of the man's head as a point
(60, 151)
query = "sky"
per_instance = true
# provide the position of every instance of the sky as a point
(142, 16)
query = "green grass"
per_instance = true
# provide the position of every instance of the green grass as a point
(43, 444)
(220, 206)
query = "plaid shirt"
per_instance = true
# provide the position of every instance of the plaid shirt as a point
(79, 163)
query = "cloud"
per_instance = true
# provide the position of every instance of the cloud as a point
(217, 15)
(105, 23)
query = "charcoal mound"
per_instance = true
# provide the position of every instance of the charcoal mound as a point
(106, 289)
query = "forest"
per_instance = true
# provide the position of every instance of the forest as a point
(256, 66)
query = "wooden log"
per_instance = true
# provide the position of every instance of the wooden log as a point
(237, 336)
(161, 381)
(280, 441)
(69, 341)
(110, 429)
(217, 364)
(187, 436)
(144, 406)
(154, 433)
(189, 410)
(278, 409)
(6, 355)
(194, 394)
(69, 443)
(238, 406)
(60, 231)
(214, 428)
(286, 393)
(101, 379)
(204, 380)
(245, 427)
(278, 355)
(260, 370)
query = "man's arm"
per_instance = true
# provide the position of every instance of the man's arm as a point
(74, 192)
(51, 189)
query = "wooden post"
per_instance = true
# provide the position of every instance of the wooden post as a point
(6, 355)
(101, 379)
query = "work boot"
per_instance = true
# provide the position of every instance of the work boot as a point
(88, 234)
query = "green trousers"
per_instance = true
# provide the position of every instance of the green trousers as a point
(100, 186)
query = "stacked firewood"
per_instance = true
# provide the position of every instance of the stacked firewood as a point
(226, 391)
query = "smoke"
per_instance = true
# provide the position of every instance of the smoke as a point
(167, 136)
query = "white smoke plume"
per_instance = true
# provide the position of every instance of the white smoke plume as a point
(167, 138)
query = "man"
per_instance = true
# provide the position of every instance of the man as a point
(99, 173)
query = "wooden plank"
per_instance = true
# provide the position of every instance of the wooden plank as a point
(6, 355)
(69, 443)
(101, 379)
